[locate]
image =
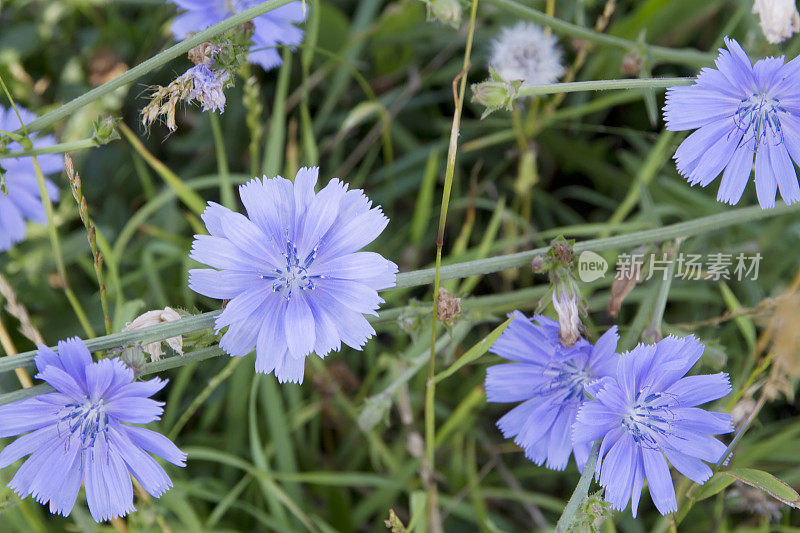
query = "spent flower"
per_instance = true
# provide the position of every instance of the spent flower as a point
(779, 19)
(83, 433)
(646, 414)
(292, 270)
(550, 380)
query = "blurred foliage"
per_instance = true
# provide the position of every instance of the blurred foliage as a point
(369, 98)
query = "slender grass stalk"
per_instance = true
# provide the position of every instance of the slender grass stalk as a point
(52, 230)
(91, 234)
(10, 349)
(151, 64)
(225, 186)
(187, 196)
(653, 332)
(434, 524)
(55, 149)
(581, 490)
(276, 136)
(215, 382)
(687, 56)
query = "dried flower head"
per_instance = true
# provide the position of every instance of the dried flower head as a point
(448, 307)
(779, 19)
(526, 53)
(152, 318)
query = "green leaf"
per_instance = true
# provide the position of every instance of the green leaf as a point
(474, 353)
(768, 483)
(713, 486)
(749, 476)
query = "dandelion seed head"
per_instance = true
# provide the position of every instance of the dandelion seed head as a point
(527, 53)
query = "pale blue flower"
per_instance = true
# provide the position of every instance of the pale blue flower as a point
(292, 270)
(647, 415)
(207, 87)
(273, 28)
(740, 110)
(83, 433)
(550, 380)
(23, 201)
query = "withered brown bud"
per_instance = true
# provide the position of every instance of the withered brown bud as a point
(201, 53)
(448, 307)
(538, 264)
(624, 282)
(631, 65)
(563, 253)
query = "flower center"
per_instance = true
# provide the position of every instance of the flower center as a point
(758, 114)
(86, 419)
(569, 378)
(649, 417)
(294, 276)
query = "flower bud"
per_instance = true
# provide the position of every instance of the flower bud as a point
(445, 11)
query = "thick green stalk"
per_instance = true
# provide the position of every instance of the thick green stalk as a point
(603, 85)
(581, 490)
(454, 271)
(55, 149)
(629, 240)
(151, 64)
(686, 56)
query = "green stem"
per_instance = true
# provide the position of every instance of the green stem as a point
(151, 64)
(225, 186)
(682, 229)
(603, 85)
(454, 271)
(687, 56)
(55, 149)
(581, 490)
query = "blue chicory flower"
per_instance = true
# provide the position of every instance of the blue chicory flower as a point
(740, 110)
(292, 270)
(23, 201)
(648, 415)
(550, 380)
(82, 433)
(273, 28)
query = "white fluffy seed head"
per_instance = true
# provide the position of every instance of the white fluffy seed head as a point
(526, 52)
(779, 19)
